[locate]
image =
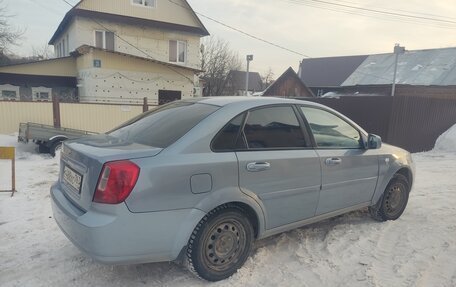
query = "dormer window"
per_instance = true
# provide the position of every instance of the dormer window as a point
(144, 3)
(177, 51)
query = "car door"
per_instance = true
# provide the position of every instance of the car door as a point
(278, 166)
(349, 171)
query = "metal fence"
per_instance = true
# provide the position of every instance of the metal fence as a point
(100, 117)
(413, 123)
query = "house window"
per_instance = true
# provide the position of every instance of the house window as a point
(9, 95)
(63, 48)
(144, 3)
(67, 52)
(57, 50)
(41, 94)
(177, 51)
(104, 40)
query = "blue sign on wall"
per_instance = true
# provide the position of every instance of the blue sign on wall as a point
(97, 63)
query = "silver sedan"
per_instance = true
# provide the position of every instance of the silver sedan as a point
(197, 181)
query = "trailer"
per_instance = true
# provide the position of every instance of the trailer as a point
(48, 138)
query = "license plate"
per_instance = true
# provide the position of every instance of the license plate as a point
(72, 178)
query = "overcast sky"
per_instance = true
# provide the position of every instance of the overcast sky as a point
(308, 30)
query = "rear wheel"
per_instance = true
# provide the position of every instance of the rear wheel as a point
(220, 244)
(393, 201)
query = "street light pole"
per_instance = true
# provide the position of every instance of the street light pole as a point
(397, 50)
(249, 59)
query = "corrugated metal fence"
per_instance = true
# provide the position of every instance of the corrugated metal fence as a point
(416, 122)
(413, 123)
(90, 117)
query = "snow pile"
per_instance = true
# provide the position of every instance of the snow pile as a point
(352, 250)
(447, 141)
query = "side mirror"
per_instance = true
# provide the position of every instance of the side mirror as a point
(374, 141)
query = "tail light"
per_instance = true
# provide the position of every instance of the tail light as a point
(117, 180)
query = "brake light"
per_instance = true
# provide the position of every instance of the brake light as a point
(117, 180)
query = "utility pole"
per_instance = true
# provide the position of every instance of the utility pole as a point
(397, 51)
(249, 59)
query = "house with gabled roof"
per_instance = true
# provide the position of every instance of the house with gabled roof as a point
(288, 85)
(424, 73)
(123, 50)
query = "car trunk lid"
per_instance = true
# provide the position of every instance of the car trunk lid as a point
(82, 161)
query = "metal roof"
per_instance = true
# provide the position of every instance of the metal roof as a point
(330, 71)
(421, 67)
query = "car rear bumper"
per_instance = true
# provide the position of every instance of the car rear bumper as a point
(112, 234)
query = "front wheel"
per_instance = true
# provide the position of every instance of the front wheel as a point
(55, 147)
(393, 201)
(220, 243)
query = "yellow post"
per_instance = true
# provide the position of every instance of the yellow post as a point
(10, 153)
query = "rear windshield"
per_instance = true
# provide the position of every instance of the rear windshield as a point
(165, 125)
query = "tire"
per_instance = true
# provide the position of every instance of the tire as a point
(393, 201)
(55, 147)
(43, 149)
(220, 243)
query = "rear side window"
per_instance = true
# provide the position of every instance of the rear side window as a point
(229, 137)
(163, 126)
(273, 127)
(330, 131)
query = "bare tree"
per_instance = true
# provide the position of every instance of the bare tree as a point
(217, 61)
(8, 34)
(267, 78)
(43, 52)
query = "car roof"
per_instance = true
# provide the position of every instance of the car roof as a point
(224, 101)
(252, 102)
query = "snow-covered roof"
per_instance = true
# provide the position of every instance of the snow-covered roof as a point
(422, 67)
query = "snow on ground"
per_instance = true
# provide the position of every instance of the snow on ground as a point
(419, 249)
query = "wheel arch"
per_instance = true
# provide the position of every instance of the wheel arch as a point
(407, 173)
(56, 138)
(386, 178)
(235, 197)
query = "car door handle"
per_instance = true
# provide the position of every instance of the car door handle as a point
(333, 161)
(258, 166)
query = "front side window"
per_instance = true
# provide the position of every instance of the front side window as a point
(274, 127)
(165, 125)
(104, 40)
(144, 3)
(330, 131)
(177, 51)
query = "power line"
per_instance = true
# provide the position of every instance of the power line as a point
(45, 7)
(405, 11)
(130, 44)
(369, 12)
(241, 31)
(366, 14)
(386, 12)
